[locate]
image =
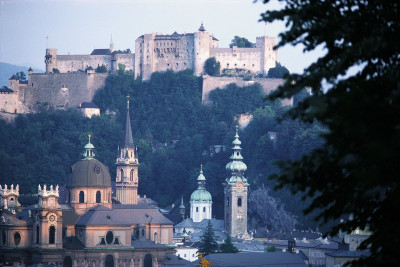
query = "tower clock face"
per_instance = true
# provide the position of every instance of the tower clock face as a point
(52, 217)
(239, 185)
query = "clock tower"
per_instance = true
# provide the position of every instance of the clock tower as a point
(47, 226)
(235, 191)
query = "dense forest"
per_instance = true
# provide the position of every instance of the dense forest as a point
(174, 134)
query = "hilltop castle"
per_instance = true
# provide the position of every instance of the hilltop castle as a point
(160, 52)
(71, 79)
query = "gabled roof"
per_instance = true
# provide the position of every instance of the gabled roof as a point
(97, 52)
(122, 215)
(88, 105)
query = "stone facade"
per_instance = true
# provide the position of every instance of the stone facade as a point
(159, 52)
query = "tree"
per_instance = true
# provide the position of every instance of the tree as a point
(278, 72)
(101, 69)
(21, 76)
(212, 66)
(271, 211)
(356, 171)
(208, 243)
(270, 249)
(227, 246)
(241, 42)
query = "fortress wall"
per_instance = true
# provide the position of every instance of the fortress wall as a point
(174, 54)
(211, 83)
(79, 87)
(241, 58)
(8, 102)
(126, 59)
(73, 63)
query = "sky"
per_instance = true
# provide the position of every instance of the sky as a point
(27, 27)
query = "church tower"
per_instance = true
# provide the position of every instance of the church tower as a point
(127, 167)
(200, 200)
(236, 193)
(47, 227)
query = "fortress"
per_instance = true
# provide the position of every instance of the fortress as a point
(71, 79)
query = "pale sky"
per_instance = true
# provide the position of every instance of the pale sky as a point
(78, 26)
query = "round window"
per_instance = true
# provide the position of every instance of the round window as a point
(109, 237)
(17, 238)
(97, 169)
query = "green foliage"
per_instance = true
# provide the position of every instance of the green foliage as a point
(21, 76)
(55, 70)
(227, 246)
(356, 170)
(121, 69)
(278, 72)
(173, 131)
(101, 69)
(270, 248)
(212, 66)
(208, 243)
(241, 42)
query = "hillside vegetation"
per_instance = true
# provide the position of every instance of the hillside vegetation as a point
(174, 134)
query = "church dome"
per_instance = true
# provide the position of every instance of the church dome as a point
(89, 173)
(235, 166)
(200, 196)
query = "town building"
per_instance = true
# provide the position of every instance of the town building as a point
(90, 228)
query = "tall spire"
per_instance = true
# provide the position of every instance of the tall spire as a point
(128, 141)
(236, 166)
(111, 44)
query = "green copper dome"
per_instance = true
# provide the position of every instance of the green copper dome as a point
(201, 195)
(236, 166)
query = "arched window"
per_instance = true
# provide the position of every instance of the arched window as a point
(143, 232)
(98, 197)
(109, 237)
(81, 197)
(204, 209)
(239, 202)
(4, 237)
(155, 237)
(67, 261)
(148, 261)
(69, 196)
(227, 202)
(17, 238)
(122, 174)
(109, 262)
(197, 209)
(131, 176)
(52, 235)
(37, 234)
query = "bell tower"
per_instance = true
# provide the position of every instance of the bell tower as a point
(236, 193)
(47, 228)
(127, 178)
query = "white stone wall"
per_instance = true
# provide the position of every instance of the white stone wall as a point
(187, 253)
(200, 211)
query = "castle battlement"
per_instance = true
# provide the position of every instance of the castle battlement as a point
(43, 192)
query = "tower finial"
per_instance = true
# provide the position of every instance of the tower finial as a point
(89, 135)
(127, 101)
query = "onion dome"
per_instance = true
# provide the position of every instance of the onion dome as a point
(89, 172)
(236, 166)
(201, 195)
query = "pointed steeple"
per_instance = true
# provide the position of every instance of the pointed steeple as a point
(128, 141)
(111, 44)
(236, 166)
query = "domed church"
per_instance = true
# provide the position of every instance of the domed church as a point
(89, 229)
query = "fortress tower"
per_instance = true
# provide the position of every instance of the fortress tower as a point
(51, 60)
(236, 193)
(127, 178)
(202, 43)
(268, 56)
